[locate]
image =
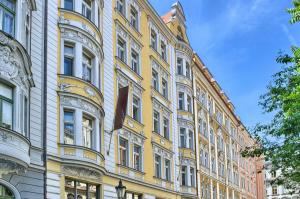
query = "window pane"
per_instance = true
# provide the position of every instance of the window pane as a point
(81, 190)
(92, 192)
(69, 127)
(6, 114)
(69, 4)
(68, 66)
(69, 189)
(6, 91)
(8, 23)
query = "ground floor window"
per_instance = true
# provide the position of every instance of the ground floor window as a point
(5, 193)
(130, 195)
(80, 190)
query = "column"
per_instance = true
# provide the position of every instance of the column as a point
(78, 129)
(97, 136)
(78, 60)
(211, 189)
(96, 74)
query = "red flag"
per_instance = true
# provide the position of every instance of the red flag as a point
(121, 108)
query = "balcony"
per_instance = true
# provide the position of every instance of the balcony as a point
(86, 160)
(14, 152)
(77, 86)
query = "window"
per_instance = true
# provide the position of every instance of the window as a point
(121, 49)
(181, 101)
(133, 196)
(157, 166)
(153, 39)
(184, 176)
(192, 176)
(83, 190)
(69, 124)
(120, 6)
(136, 108)
(5, 193)
(164, 88)
(213, 164)
(188, 70)
(163, 50)
(87, 131)
(69, 4)
(137, 161)
(274, 190)
(134, 17)
(123, 151)
(273, 174)
(221, 169)
(166, 128)
(182, 138)
(167, 170)
(134, 61)
(27, 32)
(25, 116)
(179, 66)
(206, 159)
(189, 104)
(68, 60)
(156, 119)
(86, 68)
(205, 133)
(212, 136)
(6, 106)
(7, 16)
(155, 80)
(87, 9)
(191, 140)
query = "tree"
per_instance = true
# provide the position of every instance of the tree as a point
(279, 140)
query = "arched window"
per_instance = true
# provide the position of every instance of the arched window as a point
(6, 193)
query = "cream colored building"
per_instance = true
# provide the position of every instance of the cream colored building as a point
(180, 138)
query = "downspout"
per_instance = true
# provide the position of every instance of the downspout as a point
(44, 97)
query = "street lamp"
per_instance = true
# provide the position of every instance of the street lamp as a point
(121, 190)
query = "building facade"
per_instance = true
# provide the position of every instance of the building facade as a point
(62, 64)
(275, 191)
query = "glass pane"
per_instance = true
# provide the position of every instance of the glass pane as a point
(6, 114)
(9, 4)
(69, 4)
(92, 191)
(81, 190)
(8, 23)
(68, 66)
(69, 189)
(6, 91)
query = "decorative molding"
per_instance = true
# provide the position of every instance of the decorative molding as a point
(9, 167)
(82, 172)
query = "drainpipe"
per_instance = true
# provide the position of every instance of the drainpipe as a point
(44, 96)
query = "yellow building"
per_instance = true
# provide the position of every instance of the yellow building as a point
(61, 66)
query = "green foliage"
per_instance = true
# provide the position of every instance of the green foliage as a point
(279, 140)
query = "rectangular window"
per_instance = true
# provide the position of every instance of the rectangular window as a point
(181, 101)
(212, 137)
(83, 190)
(189, 104)
(87, 131)
(87, 9)
(137, 160)
(184, 176)
(167, 170)
(182, 138)
(134, 17)
(192, 176)
(155, 81)
(134, 61)
(156, 119)
(166, 128)
(130, 195)
(274, 190)
(153, 39)
(68, 4)
(123, 151)
(213, 164)
(6, 106)
(121, 7)
(157, 166)
(121, 49)
(188, 70)
(191, 140)
(136, 108)
(86, 68)
(7, 16)
(68, 60)
(206, 159)
(179, 66)
(163, 50)
(164, 88)
(69, 123)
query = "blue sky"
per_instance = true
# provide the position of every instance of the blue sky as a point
(238, 40)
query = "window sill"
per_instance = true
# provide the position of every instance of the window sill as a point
(82, 147)
(131, 169)
(161, 95)
(159, 55)
(128, 67)
(162, 137)
(162, 179)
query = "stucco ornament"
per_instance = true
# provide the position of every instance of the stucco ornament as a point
(9, 167)
(82, 172)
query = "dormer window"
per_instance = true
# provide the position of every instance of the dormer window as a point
(6, 106)
(134, 17)
(7, 16)
(69, 4)
(87, 9)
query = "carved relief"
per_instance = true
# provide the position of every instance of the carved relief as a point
(83, 172)
(9, 167)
